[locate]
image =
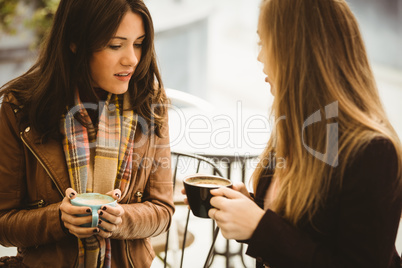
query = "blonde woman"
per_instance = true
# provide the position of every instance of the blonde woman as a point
(336, 201)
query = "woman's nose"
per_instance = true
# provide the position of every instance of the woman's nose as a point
(259, 56)
(130, 58)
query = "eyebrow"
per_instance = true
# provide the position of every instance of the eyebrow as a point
(124, 38)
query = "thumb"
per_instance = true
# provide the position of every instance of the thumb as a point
(116, 194)
(240, 187)
(71, 193)
(227, 192)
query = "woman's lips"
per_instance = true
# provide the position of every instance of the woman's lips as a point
(123, 76)
(270, 85)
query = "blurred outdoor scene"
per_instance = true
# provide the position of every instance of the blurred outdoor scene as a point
(208, 49)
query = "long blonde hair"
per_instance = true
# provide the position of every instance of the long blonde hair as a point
(320, 62)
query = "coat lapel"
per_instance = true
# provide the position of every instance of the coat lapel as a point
(141, 145)
(51, 156)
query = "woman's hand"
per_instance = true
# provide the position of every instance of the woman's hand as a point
(107, 213)
(71, 221)
(240, 187)
(185, 200)
(235, 213)
(110, 217)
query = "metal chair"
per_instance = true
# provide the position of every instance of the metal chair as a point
(183, 165)
(181, 99)
(234, 166)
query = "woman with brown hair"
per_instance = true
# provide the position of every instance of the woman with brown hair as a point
(89, 116)
(336, 200)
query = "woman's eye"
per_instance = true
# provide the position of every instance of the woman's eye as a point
(138, 45)
(115, 47)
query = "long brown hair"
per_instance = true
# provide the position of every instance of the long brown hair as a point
(319, 62)
(47, 88)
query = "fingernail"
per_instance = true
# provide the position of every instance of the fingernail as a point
(104, 208)
(100, 213)
(88, 210)
(99, 222)
(117, 194)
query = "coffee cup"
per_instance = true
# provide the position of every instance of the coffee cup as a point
(95, 201)
(198, 187)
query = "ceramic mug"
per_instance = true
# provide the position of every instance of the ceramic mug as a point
(198, 187)
(95, 201)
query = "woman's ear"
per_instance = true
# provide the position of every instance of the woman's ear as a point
(73, 48)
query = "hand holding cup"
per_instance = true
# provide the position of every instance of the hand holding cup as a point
(197, 188)
(235, 213)
(87, 214)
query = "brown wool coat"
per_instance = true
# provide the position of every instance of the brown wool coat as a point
(34, 177)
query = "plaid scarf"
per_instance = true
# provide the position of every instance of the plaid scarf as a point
(109, 151)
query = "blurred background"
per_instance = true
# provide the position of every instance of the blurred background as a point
(208, 48)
